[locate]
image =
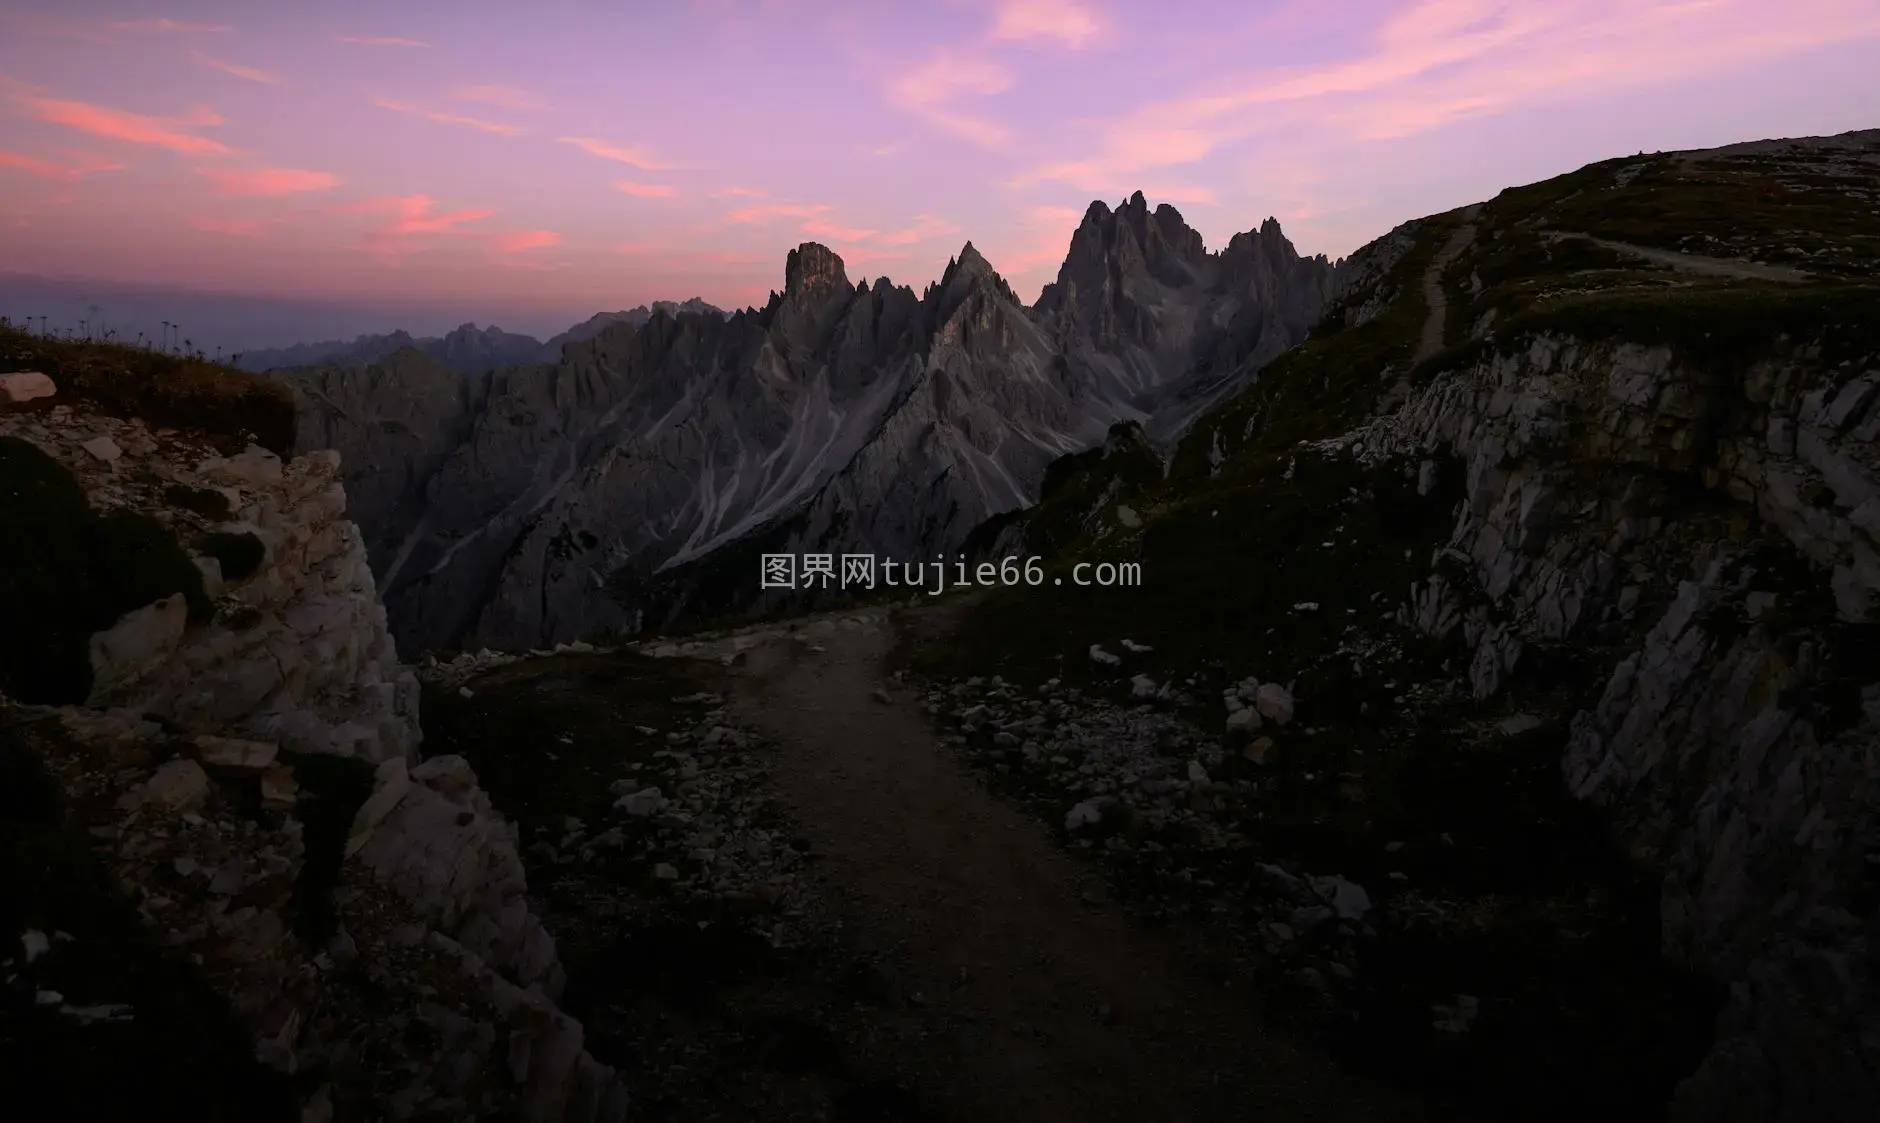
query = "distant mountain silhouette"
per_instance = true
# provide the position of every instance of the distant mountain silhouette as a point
(468, 349)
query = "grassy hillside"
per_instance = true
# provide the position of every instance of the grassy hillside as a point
(177, 391)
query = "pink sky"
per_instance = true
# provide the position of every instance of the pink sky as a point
(588, 155)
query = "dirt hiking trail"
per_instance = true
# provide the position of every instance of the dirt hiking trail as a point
(1041, 1002)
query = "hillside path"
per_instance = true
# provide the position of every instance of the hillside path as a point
(1434, 298)
(1697, 263)
(1044, 1002)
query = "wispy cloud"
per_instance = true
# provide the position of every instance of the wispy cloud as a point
(931, 90)
(271, 183)
(235, 227)
(923, 228)
(740, 193)
(644, 190)
(500, 128)
(172, 133)
(379, 41)
(768, 211)
(1064, 22)
(57, 170)
(409, 223)
(620, 154)
(251, 73)
(817, 228)
(164, 25)
(505, 97)
(522, 241)
(1435, 62)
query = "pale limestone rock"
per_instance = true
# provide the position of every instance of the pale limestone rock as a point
(278, 787)
(104, 448)
(140, 643)
(178, 786)
(26, 386)
(390, 784)
(234, 753)
(1274, 702)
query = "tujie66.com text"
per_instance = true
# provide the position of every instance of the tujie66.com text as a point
(867, 572)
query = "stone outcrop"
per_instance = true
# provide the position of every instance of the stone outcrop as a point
(251, 777)
(1736, 742)
(635, 478)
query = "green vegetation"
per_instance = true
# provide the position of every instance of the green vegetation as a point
(164, 390)
(1783, 209)
(67, 571)
(1726, 326)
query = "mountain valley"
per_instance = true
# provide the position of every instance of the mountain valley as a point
(1490, 731)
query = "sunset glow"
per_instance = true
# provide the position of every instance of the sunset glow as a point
(583, 156)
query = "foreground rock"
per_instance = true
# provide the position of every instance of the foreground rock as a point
(245, 768)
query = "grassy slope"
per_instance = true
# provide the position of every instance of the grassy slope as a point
(165, 390)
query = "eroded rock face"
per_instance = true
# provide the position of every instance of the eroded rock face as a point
(1727, 559)
(527, 507)
(292, 680)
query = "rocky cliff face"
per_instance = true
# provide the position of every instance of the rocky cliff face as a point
(538, 504)
(244, 765)
(1661, 564)
(1734, 740)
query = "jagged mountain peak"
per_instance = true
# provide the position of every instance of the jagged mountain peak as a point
(813, 269)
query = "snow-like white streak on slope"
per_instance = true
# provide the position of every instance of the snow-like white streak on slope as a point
(808, 467)
(509, 513)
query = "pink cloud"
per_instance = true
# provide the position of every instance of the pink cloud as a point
(740, 193)
(271, 183)
(768, 211)
(409, 221)
(132, 128)
(235, 227)
(507, 97)
(816, 228)
(54, 170)
(619, 153)
(1434, 62)
(644, 190)
(522, 241)
(923, 227)
(250, 73)
(135, 26)
(498, 127)
(929, 90)
(379, 41)
(1064, 22)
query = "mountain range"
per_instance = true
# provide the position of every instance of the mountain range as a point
(604, 488)
(468, 349)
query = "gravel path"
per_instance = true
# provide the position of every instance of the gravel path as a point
(1047, 1003)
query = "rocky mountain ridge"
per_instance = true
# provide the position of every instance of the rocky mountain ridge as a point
(535, 505)
(468, 349)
